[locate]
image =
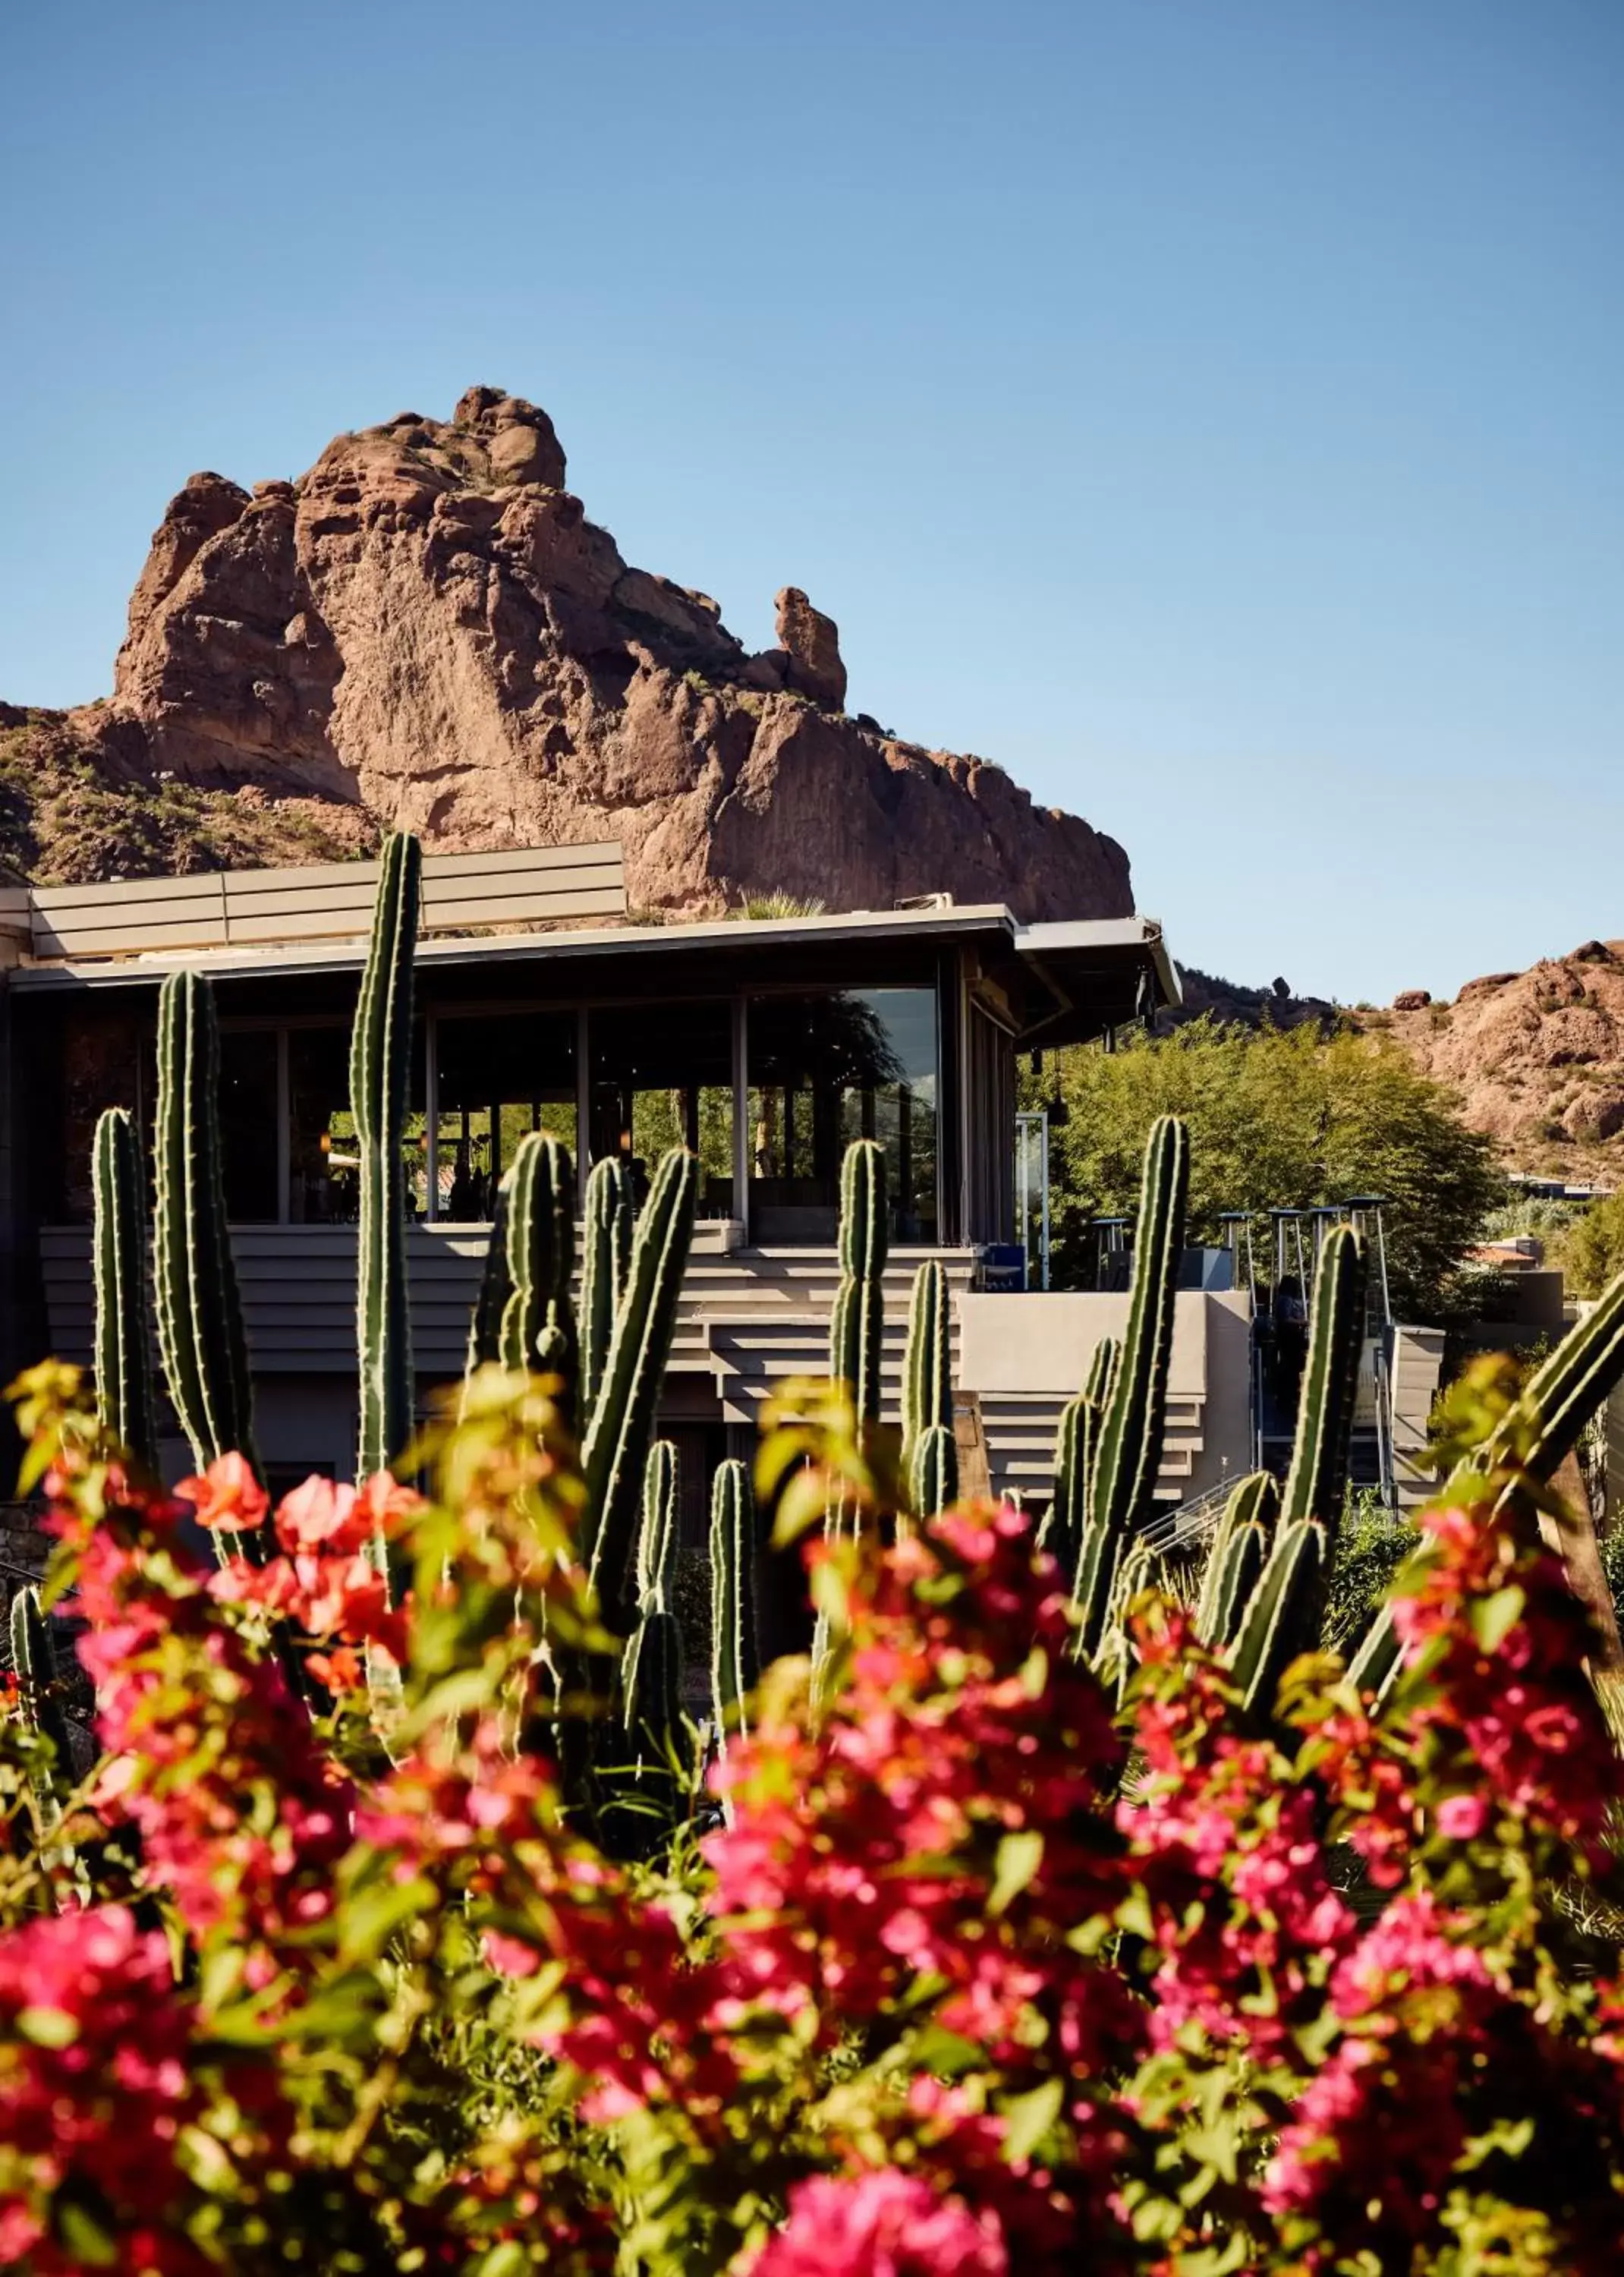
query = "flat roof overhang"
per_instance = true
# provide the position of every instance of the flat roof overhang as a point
(1081, 976)
(1100, 973)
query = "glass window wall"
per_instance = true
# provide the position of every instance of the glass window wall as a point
(499, 1075)
(324, 1168)
(825, 1070)
(248, 1116)
(663, 1077)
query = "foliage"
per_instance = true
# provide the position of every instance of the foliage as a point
(1591, 1250)
(66, 818)
(1373, 1543)
(1277, 1118)
(936, 1990)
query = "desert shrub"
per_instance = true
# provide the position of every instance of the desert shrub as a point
(1277, 1116)
(1591, 1250)
(1373, 1543)
(937, 1984)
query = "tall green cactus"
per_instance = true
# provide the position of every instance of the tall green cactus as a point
(1281, 1617)
(1316, 1482)
(539, 1240)
(735, 1651)
(927, 1367)
(1565, 1390)
(33, 1664)
(933, 1471)
(1123, 1485)
(857, 1327)
(643, 1796)
(622, 1418)
(608, 1260)
(1076, 1457)
(380, 1068)
(1130, 1452)
(657, 1539)
(1230, 1576)
(122, 1370)
(201, 1335)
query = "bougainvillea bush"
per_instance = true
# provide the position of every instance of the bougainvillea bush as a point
(971, 1967)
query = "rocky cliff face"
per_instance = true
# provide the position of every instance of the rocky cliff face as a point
(1537, 1058)
(425, 630)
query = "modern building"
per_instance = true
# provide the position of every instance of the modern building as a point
(764, 1044)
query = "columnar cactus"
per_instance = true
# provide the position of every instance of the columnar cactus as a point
(735, 1651)
(1130, 1452)
(1251, 1514)
(933, 1471)
(643, 1791)
(122, 1372)
(607, 1261)
(927, 1367)
(1123, 1483)
(656, 1540)
(621, 1423)
(380, 1067)
(538, 1323)
(856, 1331)
(201, 1335)
(1076, 1457)
(33, 1664)
(1318, 1481)
(1281, 1617)
(1565, 1391)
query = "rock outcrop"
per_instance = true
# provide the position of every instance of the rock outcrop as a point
(1538, 1057)
(426, 630)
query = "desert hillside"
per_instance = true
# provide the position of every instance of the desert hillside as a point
(1536, 1058)
(425, 630)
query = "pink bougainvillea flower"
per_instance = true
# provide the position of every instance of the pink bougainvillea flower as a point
(322, 1515)
(227, 1493)
(881, 2224)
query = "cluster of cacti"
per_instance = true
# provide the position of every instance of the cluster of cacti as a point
(200, 1335)
(523, 1317)
(1262, 1597)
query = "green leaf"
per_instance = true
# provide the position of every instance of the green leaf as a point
(371, 1919)
(85, 2235)
(1018, 1858)
(1027, 2119)
(47, 2028)
(1492, 1618)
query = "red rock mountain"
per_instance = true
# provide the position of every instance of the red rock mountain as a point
(1537, 1058)
(426, 630)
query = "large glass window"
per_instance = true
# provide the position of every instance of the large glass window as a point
(499, 1076)
(324, 1168)
(661, 1077)
(824, 1071)
(248, 1114)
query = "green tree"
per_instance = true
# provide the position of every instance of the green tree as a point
(1591, 1252)
(1278, 1118)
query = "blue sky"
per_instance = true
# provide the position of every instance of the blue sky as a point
(1208, 408)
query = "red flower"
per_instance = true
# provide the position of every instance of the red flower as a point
(228, 1494)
